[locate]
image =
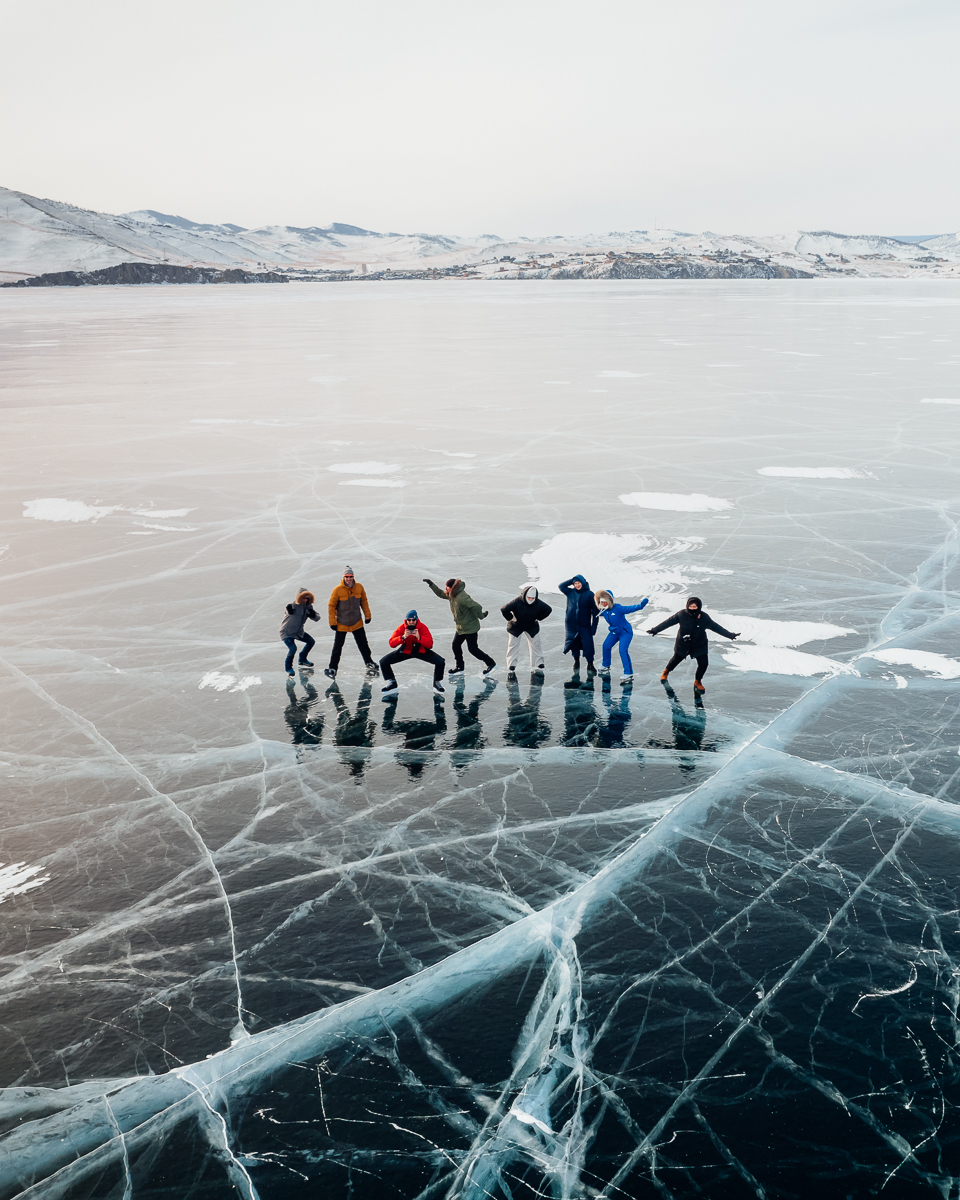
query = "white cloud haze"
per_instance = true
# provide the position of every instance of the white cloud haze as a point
(521, 117)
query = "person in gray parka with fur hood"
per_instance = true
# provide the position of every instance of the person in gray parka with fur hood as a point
(467, 615)
(292, 629)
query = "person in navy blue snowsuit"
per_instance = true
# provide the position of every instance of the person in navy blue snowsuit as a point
(621, 631)
(580, 622)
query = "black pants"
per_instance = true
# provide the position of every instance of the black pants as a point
(291, 645)
(471, 640)
(680, 655)
(398, 656)
(362, 645)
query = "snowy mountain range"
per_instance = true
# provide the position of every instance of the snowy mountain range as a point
(40, 236)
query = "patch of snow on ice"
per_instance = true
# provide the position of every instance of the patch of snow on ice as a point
(17, 878)
(676, 501)
(365, 468)
(372, 483)
(170, 528)
(53, 509)
(247, 681)
(815, 472)
(162, 513)
(779, 661)
(629, 564)
(937, 665)
(217, 681)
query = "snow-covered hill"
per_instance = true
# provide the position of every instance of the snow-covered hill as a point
(39, 236)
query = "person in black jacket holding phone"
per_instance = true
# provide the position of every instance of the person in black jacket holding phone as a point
(691, 638)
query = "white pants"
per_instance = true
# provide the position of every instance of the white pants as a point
(513, 649)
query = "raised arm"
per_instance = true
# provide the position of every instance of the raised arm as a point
(567, 586)
(436, 591)
(711, 624)
(629, 608)
(674, 620)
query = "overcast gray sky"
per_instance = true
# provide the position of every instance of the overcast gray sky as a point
(527, 116)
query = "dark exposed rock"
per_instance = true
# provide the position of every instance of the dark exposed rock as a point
(133, 272)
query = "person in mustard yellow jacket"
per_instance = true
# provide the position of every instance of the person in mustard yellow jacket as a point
(348, 612)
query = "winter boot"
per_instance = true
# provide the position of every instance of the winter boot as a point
(663, 677)
(489, 670)
(372, 670)
(389, 689)
(698, 686)
(438, 687)
(330, 672)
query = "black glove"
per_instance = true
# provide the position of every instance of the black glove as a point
(483, 614)
(734, 636)
(428, 581)
(652, 634)
(334, 628)
(368, 620)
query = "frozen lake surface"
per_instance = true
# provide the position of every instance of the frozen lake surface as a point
(552, 937)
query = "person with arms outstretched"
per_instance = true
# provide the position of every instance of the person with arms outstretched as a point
(412, 641)
(348, 611)
(621, 632)
(691, 638)
(467, 615)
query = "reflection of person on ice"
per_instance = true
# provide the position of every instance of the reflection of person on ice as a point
(691, 638)
(621, 632)
(347, 601)
(467, 615)
(580, 621)
(412, 641)
(292, 629)
(523, 616)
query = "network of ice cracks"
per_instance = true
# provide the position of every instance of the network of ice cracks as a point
(678, 984)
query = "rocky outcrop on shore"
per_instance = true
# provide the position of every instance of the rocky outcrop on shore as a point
(138, 272)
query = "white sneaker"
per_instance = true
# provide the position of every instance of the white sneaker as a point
(626, 679)
(604, 671)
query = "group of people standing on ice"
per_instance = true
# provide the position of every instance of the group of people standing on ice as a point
(348, 610)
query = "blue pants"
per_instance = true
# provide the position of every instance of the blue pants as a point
(614, 637)
(291, 645)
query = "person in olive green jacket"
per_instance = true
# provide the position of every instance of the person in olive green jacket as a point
(348, 601)
(467, 615)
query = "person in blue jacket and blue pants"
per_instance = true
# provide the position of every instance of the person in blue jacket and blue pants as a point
(621, 631)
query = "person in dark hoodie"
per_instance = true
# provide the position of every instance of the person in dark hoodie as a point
(523, 615)
(691, 638)
(467, 615)
(292, 629)
(580, 621)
